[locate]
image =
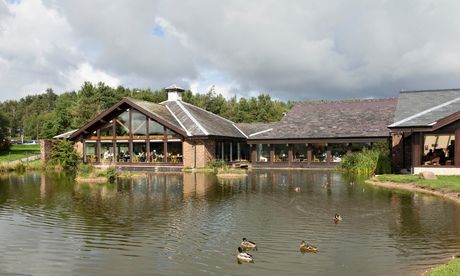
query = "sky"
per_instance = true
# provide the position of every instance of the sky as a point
(291, 50)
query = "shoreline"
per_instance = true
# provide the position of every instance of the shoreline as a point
(412, 188)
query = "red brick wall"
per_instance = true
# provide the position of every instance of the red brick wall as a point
(197, 153)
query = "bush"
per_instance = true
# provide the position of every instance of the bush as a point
(64, 154)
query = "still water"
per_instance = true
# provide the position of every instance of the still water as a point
(192, 224)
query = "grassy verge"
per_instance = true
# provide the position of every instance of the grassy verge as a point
(451, 268)
(17, 152)
(443, 183)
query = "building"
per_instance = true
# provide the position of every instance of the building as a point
(142, 135)
(427, 120)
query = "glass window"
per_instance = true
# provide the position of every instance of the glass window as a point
(90, 152)
(139, 125)
(281, 152)
(174, 152)
(338, 151)
(139, 153)
(438, 145)
(107, 131)
(122, 152)
(156, 131)
(122, 126)
(263, 153)
(171, 134)
(299, 153)
(318, 152)
(157, 152)
(107, 152)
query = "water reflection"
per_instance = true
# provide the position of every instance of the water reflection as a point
(169, 224)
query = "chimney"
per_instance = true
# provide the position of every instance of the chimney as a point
(174, 92)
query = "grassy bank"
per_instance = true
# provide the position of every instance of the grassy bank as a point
(17, 152)
(451, 268)
(443, 183)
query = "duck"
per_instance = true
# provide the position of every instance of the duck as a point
(244, 256)
(304, 247)
(297, 189)
(337, 218)
(326, 185)
(248, 244)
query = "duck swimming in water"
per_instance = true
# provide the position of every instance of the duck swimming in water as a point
(297, 189)
(244, 256)
(337, 218)
(248, 244)
(304, 247)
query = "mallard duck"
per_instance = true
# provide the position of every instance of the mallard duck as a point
(304, 247)
(337, 218)
(248, 244)
(326, 185)
(244, 256)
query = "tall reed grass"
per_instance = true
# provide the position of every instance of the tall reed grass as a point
(366, 162)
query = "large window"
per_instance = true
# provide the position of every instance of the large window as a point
(123, 126)
(122, 152)
(156, 131)
(281, 152)
(263, 153)
(139, 125)
(318, 152)
(90, 152)
(299, 153)
(338, 151)
(438, 146)
(174, 152)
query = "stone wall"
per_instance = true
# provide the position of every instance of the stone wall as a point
(46, 149)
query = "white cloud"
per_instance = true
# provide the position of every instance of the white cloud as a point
(292, 50)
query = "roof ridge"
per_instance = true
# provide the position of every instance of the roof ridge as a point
(348, 100)
(180, 104)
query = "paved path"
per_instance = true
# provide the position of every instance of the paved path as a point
(24, 160)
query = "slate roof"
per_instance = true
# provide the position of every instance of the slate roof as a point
(199, 122)
(335, 119)
(424, 108)
(251, 129)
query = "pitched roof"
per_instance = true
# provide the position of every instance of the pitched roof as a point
(425, 108)
(199, 122)
(181, 117)
(335, 119)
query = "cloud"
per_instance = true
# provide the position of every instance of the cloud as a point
(292, 50)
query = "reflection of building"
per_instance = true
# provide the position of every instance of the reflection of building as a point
(141, 134)
(427, 120)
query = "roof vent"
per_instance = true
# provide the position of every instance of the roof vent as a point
(174, 92)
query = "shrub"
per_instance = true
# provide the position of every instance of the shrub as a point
(374, 161)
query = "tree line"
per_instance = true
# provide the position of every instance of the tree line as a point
(46, 115)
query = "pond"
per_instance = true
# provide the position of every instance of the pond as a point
(192, 224)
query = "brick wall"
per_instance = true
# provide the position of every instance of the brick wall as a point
(204, 149)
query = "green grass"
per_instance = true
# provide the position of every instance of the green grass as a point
(17, 152)
(451, 268)
(444, 183)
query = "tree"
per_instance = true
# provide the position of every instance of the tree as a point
(3, 132)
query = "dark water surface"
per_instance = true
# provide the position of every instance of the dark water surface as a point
(192, 224)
